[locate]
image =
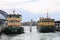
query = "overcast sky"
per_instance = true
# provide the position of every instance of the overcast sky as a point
(32, 9)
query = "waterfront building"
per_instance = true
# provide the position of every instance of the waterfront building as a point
(57, 25)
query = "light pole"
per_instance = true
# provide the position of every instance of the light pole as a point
(31, 25)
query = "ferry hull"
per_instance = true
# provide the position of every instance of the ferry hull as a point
(45, 29)
(11, 30)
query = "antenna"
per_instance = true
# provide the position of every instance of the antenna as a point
(47, 17)
(13, 11)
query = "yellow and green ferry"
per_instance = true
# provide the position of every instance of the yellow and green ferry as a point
(46, 25)
(13, 24)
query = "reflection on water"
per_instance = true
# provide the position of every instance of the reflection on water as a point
(34, 35)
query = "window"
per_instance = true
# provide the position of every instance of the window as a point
(14, 21)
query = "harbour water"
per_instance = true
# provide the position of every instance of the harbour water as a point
(34, 35)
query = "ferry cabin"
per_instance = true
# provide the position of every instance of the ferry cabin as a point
(46, 22)
(14, 20)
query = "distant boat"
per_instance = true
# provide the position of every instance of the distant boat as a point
(46, 25)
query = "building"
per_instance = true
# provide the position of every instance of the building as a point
(14, 20)
(57, 24)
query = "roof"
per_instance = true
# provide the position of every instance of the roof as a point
(14, 15)
(57, 21)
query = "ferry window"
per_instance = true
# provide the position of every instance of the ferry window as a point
(17, 16)
(18, 21)
(14, 21)
(11, 21)
(10, 16)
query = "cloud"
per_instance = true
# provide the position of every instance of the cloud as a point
(33, 6)
(12, 1)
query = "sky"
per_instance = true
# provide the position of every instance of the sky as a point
(32, 9)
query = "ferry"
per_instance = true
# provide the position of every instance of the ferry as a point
(13, 25)
(46, 25)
